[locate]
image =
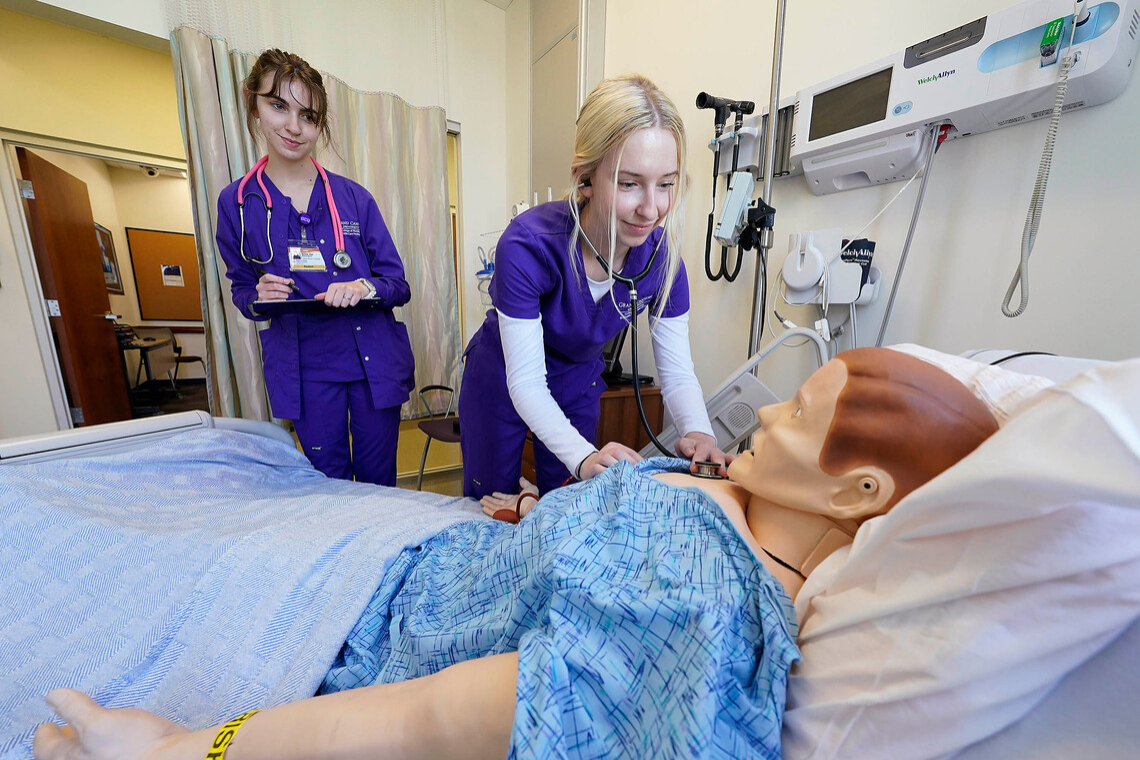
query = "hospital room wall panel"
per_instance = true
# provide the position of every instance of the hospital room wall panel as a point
(967, 242)
(26, 405)
(478, 99)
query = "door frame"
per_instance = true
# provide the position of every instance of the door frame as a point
(15, 223)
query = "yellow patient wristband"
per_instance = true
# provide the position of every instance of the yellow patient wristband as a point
(226, 735)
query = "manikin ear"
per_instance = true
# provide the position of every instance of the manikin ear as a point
(861, 493)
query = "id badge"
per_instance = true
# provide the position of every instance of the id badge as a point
(305, 256)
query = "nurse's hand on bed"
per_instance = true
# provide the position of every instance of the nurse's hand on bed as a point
(343, 294)
(608, 455)
(95, 733)
(701, 447)
(273, 288)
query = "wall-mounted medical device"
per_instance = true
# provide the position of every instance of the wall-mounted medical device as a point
(867, 126)
(821, 267)
(752, 134)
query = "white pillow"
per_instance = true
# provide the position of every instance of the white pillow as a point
(950, 617)
(1002, 390)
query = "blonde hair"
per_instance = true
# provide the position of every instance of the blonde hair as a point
(613, 111)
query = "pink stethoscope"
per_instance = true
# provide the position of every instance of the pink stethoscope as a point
(341, 258)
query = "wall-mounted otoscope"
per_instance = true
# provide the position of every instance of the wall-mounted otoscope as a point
(721, 108)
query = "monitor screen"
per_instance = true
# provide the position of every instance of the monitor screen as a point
(850, 105)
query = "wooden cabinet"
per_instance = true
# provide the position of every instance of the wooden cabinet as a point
(618, 421)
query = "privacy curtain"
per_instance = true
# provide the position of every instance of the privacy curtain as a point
(398, 152)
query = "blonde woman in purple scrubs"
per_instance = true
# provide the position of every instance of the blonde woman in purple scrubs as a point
(536, 362)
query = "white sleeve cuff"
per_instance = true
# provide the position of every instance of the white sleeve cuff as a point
(680, 389)
(525, 359)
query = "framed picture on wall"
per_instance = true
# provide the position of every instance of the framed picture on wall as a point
(110, 263)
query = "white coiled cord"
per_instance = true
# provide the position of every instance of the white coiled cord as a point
(1037, 202)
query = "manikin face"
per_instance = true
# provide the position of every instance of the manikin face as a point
(287, 120)
(783, 465)
(642, 195)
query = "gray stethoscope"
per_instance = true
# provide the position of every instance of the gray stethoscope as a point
(631, 283)
(341, 258)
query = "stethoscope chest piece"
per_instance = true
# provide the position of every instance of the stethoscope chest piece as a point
(342, 260)
(708, 470)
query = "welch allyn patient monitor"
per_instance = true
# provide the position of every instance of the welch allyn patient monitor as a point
(866, 127)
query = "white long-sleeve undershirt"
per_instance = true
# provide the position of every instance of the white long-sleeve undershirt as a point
(525, 359)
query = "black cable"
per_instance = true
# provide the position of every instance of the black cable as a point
(1004, 359)
(712, 212)
(783, 564)
(637, 378)
(724, 264)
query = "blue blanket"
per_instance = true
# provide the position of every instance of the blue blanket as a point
(207, 575)
(644, 624)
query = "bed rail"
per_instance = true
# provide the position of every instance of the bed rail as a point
(113, 437)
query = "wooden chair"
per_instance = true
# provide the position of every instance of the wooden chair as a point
(441, 427)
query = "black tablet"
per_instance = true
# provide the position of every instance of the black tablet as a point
(305, 306)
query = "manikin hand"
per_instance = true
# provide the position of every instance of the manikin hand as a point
(499, 501)
(95, 733)
(343, 294)
(609, 455)
(701, 447)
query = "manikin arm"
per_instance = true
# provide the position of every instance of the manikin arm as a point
(464, 711)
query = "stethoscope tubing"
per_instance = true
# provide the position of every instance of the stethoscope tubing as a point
(631, 283)
(258, 172)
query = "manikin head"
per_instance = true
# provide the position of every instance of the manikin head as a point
(286, 105)
(864, 431)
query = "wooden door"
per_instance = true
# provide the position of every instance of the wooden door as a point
(67, 255)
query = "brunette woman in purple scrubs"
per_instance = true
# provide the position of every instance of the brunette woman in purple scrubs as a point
(350, 367)
(536, 362)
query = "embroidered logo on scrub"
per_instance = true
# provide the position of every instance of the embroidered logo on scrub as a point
(350, 228)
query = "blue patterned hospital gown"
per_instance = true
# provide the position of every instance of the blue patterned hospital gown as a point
(644, 624)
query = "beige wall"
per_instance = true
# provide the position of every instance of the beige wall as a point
(67, 83)
(966, 246)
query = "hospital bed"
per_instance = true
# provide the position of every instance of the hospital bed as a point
(1079, 708)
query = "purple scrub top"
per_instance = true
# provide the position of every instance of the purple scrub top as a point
(534, 278)
(367, 343)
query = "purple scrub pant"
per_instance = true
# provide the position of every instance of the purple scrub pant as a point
(328, 412)
(492, 446)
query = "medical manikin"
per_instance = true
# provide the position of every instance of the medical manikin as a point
(856, 438)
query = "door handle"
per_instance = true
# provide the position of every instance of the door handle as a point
(112, 317)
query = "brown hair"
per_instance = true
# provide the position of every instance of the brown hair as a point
(903, 415)
(288, 67)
